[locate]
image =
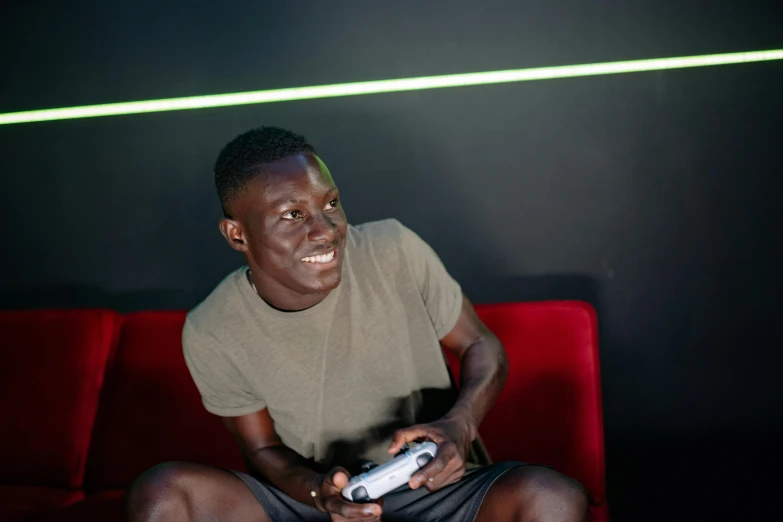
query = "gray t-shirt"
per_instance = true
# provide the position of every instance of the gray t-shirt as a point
(340, 377)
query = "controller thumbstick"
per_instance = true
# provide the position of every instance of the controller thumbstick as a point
(423, 459)
(360, 494)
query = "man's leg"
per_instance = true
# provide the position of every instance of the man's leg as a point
(183, 492)
(530, 493)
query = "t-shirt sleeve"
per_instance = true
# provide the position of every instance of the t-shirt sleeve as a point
(442, 295)
(224, 390)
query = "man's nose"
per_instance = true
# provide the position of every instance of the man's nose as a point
(322, 228)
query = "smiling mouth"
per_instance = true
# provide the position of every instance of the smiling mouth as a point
(322, 259)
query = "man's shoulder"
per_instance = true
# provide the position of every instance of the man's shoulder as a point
(219, 308)
(382, 234)
(381, 241)
(387, 238)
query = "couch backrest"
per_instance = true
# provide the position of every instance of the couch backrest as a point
(550, 410)
(51, 375)
(150, 410)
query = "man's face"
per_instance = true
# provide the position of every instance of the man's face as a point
(291, 227)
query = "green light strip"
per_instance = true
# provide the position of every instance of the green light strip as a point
(374, 87)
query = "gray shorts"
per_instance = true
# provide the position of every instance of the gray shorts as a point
(455, 503)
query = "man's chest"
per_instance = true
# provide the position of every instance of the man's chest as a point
(358, 356)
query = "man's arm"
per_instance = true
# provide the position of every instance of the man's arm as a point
(289, 472)
(484, 368)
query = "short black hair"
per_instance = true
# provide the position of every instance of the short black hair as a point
(242, 158)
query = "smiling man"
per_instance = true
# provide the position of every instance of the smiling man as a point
(324, 353)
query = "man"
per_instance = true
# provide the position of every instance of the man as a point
(325, 351)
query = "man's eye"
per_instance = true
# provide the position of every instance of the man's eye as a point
(332, 204)
(293, 214)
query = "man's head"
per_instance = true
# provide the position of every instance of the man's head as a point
(283, 213)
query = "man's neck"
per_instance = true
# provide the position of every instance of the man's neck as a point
(284, 300)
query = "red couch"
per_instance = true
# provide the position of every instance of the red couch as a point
(91, 398)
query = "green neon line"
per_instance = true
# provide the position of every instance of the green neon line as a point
(374, 87)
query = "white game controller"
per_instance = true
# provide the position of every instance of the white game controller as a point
(375, 483)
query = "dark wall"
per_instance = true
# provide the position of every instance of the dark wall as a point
(655, 196)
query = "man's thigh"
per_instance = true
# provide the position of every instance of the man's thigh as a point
(533, 493)
(458, 502)
(181, 491)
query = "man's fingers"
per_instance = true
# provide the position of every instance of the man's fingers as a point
(340, 480)
(440, 470)
(337, 478)
(430, 471)
(448, 476)
(402, 437)
(444, 479)
(335, 504)
(338, 518)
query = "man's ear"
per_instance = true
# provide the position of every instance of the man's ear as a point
(232, 231)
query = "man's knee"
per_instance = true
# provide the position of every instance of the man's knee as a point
(548, 495)
(160, 493)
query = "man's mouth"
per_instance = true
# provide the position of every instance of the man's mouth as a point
(321, 259)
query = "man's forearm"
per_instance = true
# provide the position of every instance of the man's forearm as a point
(287, 471)
(484, 368)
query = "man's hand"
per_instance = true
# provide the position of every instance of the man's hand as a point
(453, 437)
(332, 502)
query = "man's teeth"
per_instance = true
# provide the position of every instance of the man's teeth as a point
(326, 258)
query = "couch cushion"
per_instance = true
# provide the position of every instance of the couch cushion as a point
(103, 506)
(151, 410)
(50, 379)
(550, 410)
(19, 503)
